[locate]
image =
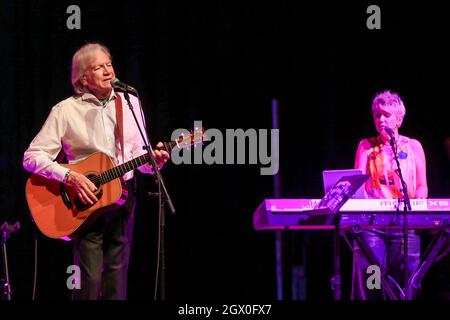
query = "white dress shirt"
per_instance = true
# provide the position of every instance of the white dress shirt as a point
(81, 125)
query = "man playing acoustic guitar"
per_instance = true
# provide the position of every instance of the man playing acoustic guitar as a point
(86, 126)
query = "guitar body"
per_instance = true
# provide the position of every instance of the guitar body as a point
(60, 219)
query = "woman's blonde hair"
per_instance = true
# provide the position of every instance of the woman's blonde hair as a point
(391, 101)
(81, 60)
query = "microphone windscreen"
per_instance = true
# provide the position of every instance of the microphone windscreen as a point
(114, 82)
(389, 131)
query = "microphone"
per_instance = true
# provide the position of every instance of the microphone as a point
(390, 132)
(119, 85)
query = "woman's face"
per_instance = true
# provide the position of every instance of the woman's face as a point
(384, 117)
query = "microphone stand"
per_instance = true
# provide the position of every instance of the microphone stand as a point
(406, 207)
(163, 199)
(6, 230)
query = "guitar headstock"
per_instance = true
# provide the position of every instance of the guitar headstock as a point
(195, 137)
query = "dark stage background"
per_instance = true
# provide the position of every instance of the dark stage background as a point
(224, 63)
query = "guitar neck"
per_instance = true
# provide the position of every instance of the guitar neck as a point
(168, 146)
(130, 165)
(120, 170)
(183, 141)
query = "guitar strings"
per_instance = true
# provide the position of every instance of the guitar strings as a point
(114, 173)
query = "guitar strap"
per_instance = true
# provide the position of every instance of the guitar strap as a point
(119, 119)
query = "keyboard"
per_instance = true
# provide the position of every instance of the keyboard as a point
(285, 214)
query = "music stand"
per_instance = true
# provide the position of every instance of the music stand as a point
(338, 195)
(331, 203)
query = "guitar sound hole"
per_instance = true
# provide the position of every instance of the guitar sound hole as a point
(84, 206)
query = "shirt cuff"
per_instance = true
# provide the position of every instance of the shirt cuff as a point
(59, 173)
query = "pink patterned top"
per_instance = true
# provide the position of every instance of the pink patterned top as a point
(385, 182)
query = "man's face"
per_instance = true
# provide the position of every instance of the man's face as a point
(98, 75)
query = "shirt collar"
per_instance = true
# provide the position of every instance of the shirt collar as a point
(87, 96)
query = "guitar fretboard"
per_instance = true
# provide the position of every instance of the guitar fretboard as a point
(128, 166)
(120, 170)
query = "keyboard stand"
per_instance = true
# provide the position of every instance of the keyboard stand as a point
(336, 279)
(355, 235)
(426, 262)
(415, 280)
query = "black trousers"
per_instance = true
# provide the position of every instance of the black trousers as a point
(102, 252)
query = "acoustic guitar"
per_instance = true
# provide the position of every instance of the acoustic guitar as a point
(56, 208)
